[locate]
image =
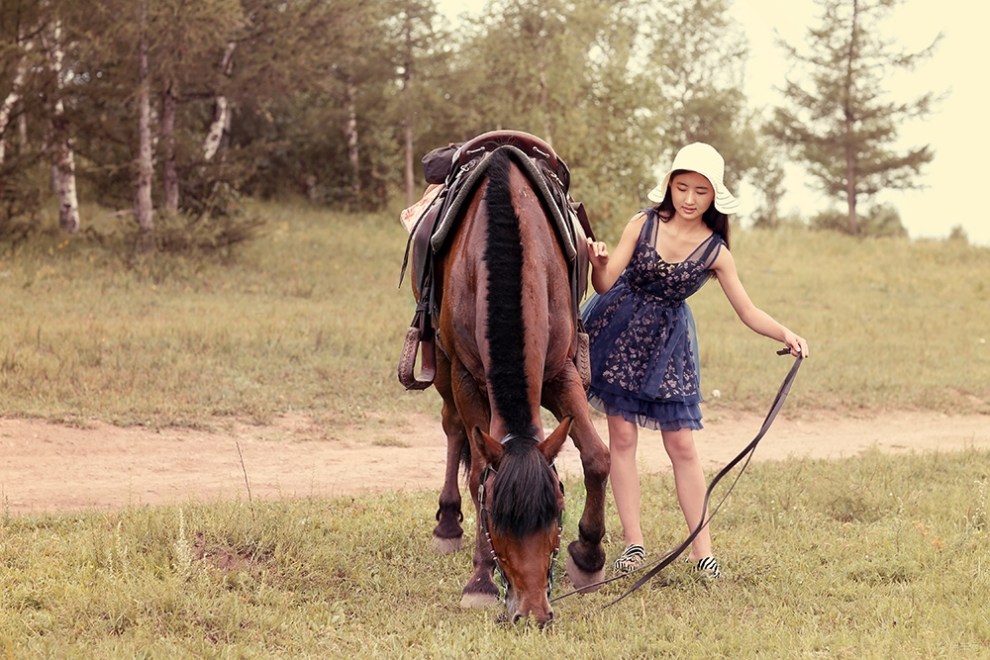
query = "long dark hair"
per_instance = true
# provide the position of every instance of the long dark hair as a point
(717, 221)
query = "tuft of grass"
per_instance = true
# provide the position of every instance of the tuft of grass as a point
(905, 575)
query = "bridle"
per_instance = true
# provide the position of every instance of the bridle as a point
(744, 456)
(484, 514)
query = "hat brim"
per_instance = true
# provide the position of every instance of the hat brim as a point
(725, 202)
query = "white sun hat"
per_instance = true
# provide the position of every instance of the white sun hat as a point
(705, 160)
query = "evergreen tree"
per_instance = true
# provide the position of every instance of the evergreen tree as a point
(840, 123)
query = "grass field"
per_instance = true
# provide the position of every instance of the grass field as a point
(309, 317)
(876, 556)
(873, 557)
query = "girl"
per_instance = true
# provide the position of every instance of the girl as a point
(644, 351)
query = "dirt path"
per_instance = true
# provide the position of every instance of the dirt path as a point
(46, 467)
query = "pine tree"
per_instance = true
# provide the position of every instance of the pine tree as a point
(839, 123)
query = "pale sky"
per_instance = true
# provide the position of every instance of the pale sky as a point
(956, 130)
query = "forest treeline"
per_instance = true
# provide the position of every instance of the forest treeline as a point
(173, 108)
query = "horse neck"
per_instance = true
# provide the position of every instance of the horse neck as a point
(519, 244)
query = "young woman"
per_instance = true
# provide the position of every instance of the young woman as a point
(644, 351)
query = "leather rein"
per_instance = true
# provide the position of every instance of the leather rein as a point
(743, 456)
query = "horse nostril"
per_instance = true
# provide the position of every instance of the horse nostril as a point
(516, 618)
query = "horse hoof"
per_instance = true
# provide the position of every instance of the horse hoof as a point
(583, 581)
(446, 546)
(476, 600)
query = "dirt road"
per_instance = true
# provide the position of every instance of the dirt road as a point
(47, 467)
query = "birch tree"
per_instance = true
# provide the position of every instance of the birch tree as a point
(221, 108)
(170, 170)
(143, 207)
(62, 152)
(417, 40)
(14, 96)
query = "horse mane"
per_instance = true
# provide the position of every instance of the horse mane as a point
(505, 332)
(524, 495)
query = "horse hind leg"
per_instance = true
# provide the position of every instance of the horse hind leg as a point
(448, 534)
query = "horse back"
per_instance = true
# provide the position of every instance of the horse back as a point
(506, 308)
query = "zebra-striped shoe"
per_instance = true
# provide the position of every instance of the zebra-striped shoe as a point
(707, 567)
(630, 559)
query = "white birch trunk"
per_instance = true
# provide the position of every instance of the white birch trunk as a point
(9, 103)
(170, 174)
(221, 112)
(407, 119)
(63, 155)
(351, 131)
(410, 176)
(22, 131)
(143, 209)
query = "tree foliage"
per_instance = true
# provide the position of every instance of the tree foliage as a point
(843, 126)
(338, 100)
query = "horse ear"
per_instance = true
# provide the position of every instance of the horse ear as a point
(552, 445)
(487, 446)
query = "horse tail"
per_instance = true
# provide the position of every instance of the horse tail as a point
(505, 330)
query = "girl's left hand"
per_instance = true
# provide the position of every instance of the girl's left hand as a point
(798, 345)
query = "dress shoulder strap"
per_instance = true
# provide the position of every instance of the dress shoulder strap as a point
(709, 249)
(649, 233)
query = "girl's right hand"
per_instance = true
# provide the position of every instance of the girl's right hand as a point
(597, 253)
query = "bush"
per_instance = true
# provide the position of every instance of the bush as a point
(20, 202)
(882, 220)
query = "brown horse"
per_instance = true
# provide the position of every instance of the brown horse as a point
(506, 337)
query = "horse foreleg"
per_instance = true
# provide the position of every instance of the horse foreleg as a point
(447, 535)
(586, 560)
(480, 590)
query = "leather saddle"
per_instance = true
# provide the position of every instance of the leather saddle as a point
(549, 177)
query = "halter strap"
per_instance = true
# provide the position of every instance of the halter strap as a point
(483, 519)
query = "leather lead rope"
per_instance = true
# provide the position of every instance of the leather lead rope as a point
(745, 455)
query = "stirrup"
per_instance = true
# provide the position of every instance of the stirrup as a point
(630, 559)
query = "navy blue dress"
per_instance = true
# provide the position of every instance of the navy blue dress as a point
(644, 346)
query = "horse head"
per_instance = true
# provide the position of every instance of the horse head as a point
(521, 502)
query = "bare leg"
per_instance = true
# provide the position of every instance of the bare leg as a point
(689, 482)
(623, 438)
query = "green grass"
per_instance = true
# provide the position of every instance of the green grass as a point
(876, 556)
(892, 324)
(309, 318)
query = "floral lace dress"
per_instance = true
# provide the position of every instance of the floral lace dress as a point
(644, 347)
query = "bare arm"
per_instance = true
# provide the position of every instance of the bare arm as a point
(754, 317)
(605, 269)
